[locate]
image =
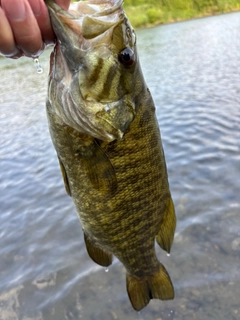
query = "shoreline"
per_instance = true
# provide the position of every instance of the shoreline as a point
(140, 26)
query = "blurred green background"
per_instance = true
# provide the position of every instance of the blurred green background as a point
(146, 13)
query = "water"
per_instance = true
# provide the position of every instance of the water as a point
(38, 66)
(193, 71)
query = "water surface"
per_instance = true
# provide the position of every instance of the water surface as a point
(193, 71)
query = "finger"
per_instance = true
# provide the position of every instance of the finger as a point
(7, 42)
(41, 14)
(24, 26)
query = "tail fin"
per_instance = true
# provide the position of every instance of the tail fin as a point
(156, 286)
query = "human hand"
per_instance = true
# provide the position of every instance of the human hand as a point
(25, 27)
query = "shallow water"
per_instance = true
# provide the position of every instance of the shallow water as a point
(193, 71)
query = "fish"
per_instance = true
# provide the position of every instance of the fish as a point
(103, 125)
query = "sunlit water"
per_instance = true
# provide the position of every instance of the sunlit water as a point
(193, 71)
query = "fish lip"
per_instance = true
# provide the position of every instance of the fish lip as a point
(115, 5)
(75, 46)
(55, 8)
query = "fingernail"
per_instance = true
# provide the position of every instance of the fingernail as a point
(16, 12)
(39, 52)
(17, 53)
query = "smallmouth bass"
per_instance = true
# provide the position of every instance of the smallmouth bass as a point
(103, 126)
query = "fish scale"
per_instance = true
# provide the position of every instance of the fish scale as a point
(118, 182)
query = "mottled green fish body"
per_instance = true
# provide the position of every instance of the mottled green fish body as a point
(104, 129)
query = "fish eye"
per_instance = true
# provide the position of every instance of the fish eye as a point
(127, 57)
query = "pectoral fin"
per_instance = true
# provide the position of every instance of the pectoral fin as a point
(65, 178)
(97, 254)
(166, 233)
(99, 168)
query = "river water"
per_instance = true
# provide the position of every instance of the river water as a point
(193, 71)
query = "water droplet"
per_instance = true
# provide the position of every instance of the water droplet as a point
(38, 66)
(106, 269)
(170, 314)
(140, 315)
(168, 254)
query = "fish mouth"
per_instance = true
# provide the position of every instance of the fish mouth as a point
(88, 19)
(84, 63)
(84, 27)
(96, 8)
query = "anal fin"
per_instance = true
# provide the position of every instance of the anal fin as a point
(166, 233)
(97, 254)
(156, 286)
(65, 177)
